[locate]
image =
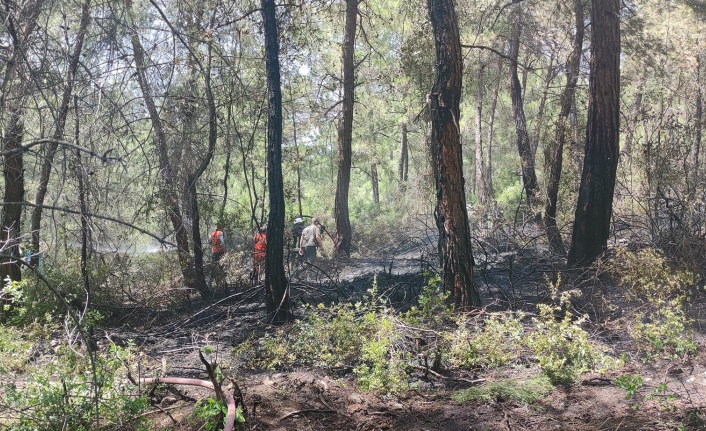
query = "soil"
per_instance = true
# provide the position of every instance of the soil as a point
(317, 399)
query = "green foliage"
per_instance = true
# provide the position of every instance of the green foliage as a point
(661, 328)
(63, 393)
(561, 345)
(382, 367)
(645, 275)
(361, 335)
(664, 331)
(15, 348)
(631, 384)
(492, 343)
(214, 413)
(522, 391)
(433, 303)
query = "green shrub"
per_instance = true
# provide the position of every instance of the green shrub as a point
(561, 346)
(433, 307)
(64, 393)
(664, 331)
(15, 348)
(361, 336)
(494, 342)
(646, 276)
(522, 391)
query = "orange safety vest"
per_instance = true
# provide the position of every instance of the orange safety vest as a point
(216, 245)
(260, 240)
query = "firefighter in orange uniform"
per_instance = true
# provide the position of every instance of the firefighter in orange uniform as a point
(259, 249)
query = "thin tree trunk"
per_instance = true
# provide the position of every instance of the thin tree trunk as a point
(59, 128)
(376, 182)
(524, 148)
(595, 202)
(83, 205)
(403, 166)
(298, 164)
(277, 299)
(489, 140)
(554, 155)
(698, 120)
(539, 123)
(168, 184)
(226, 174)
(445, 101)
(13, 174)
(201, 284)
(634, 116)
(481, 191)
(344, 234)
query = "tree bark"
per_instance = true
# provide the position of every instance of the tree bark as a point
(277, 300)
(403, 166)
(445, 100)
(60, 126)
(595, 201)
(698, 120)
(168, 184)
(344, 234)
(489, 140)
(374, 178)
(524, 148)
(481, 192)
(554, 154)
(13, 174)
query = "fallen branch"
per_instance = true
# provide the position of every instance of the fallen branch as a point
(298, 412)
(230, 401)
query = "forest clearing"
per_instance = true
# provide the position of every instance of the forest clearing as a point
(352, 215)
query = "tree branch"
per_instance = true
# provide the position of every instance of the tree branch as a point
(505, 56)
(112, 219)
(104, 157)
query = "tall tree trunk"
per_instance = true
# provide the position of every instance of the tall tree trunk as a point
(344, 234)
(634, 116)
(539, 123)
(277, 300)
(595, 202)
(226, 167)
(298, 161)
(554, 154)
(403, 166)
(13, 174)
(13, 164)
(481, 192)
(698, 120)
(168, 184)
(60, 125)
(200, 276)
(374, 178)
(445, 101)
(83, 205)
(529, 176)
(489, 139)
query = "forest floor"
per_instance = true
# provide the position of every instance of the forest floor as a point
(320, 399)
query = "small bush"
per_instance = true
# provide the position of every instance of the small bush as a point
(664, 331)
(561, 345)
(645, 275)
(65, 394)
(362, 336)
(494, 342)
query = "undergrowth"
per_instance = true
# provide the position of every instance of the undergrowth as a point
(383, 347)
